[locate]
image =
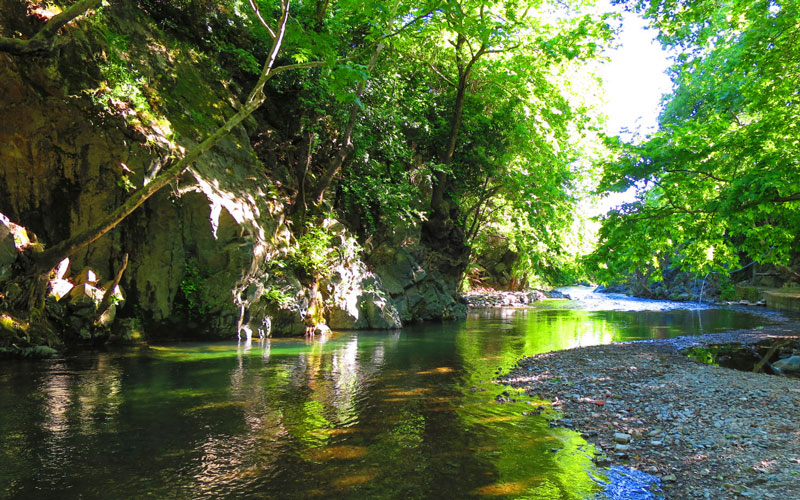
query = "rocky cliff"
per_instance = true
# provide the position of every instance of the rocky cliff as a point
(210, 256)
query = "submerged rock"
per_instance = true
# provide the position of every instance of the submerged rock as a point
(788, 365)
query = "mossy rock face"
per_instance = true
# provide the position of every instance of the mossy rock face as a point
(787, 299)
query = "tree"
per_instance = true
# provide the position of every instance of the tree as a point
(501, 128)
(720, 180)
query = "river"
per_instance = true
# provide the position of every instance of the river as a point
(408, 414)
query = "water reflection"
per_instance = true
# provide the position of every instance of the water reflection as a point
(407, 414)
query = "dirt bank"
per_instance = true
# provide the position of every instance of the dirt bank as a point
(706, 431)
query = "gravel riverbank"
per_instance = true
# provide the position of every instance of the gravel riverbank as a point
(706, 431)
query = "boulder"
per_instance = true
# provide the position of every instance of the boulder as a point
(117, 295)
(62, 269)
(378, 312)
(107, 317)
(415, 293)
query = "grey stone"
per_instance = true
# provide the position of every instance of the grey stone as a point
(621, 437)
(788, 365)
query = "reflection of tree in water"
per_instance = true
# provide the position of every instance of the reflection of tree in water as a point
(293, 404)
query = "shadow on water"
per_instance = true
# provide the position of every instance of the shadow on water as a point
(408, 414)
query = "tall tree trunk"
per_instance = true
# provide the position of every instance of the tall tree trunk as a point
(441, 178)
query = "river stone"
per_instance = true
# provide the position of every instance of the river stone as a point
(621, 437)
(788, 365)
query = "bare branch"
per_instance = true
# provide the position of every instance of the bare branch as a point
(261, 19)
(441, 75)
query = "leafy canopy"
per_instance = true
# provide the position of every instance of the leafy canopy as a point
(720, 181)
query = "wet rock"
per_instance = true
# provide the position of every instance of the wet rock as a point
(38, 352)
(602, 461)
(788, 365)
(322, 329)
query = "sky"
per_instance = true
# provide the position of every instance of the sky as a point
(634, 78)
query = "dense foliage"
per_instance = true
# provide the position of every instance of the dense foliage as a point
(448, 111)
(719, 183)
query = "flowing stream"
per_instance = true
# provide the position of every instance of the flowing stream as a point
(409, 414)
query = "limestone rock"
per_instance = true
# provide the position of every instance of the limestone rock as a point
(62, 269)
(117, 295)
(86, 275)
(379, 313)
(357, 299)
(322, 329)
(59, 288)
(416, 293)
(83, 299)
(107, 317)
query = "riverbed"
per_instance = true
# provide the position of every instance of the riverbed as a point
(408, 414)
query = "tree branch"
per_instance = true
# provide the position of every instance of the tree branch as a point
(53, 255)
(261, 19)
(44, 40)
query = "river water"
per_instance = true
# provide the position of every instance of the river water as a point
(409, 414)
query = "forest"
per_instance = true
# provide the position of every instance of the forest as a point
(221, 167)
(340, 249)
